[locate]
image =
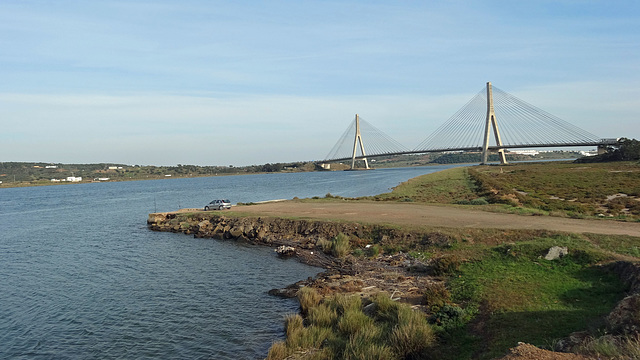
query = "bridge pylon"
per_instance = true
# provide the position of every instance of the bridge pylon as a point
(491, 122)
(356, 141)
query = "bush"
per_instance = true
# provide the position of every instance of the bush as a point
(308, 298)
(292, 324)
(278, 351)
(360, 348)
(354, 321)
(324, 244)
(436, 296)
(322, 315)
(373, 251)
(340, 246)
(412, 336)
(479, 201)
(450, 317)
(445, 265)
(337, 328)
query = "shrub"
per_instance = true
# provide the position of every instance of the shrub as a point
(479, 201)
(340, 246)
(449, 316)
(308, 298)
(373, 251)
(412, 336)
(385, 308)
(344, 303)
(612, 347)
(359, 348)
(337, 328)
(436, 296)
(278, 351)
(445, 265)
(354, 321)
(324, 244)
(322, 315)
(292, 324)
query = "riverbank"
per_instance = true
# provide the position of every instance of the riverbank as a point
(408, 264)
(484, 280)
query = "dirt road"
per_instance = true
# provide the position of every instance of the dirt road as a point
(434, 215)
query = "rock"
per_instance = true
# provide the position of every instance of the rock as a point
(556, 252)
(625, 317)
(204, 224)
(574, 340)
(285, 251)
(236, 232)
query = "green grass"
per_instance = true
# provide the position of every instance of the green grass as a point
(445, 187)
(619, 244)
(523, 297)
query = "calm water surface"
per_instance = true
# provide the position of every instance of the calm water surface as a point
(81, 277)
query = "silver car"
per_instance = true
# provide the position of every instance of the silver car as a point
(218, 205)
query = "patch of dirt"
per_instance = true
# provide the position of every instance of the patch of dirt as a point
(530, 352)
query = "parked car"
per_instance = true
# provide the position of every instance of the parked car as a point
(218, 205)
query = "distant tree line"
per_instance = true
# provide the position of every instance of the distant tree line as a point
(624, 150)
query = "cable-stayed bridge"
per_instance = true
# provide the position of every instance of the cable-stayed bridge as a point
(521, 125)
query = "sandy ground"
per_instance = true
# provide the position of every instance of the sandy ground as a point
(434, 215)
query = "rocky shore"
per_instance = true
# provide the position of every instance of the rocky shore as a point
(400, 275)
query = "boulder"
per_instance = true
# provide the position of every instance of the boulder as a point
(236, 232)
(556, 252)
(625, 318)
(285, 251)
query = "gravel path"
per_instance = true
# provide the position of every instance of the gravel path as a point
(434, 215)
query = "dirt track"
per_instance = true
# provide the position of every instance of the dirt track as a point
(433, 215)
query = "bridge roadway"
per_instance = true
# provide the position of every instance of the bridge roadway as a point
(479, 149)
(417, 215)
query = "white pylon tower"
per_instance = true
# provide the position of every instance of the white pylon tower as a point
(355, 146)
(491, 122)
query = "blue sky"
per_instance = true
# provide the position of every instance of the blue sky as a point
(251, 82)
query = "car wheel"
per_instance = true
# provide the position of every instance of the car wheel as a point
(206, 208)
(220, 207)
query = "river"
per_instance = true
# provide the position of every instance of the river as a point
(82, 277)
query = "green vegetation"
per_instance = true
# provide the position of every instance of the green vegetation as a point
(554, 188)
(30, 174)
(495, 297)
(610, 189)
(624, 150)
(523, 297)
(339, 246)
(448, 186)
(346, 327)
(495, 288)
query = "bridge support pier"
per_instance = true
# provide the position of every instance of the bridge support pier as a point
(491, 122)
(357, 140)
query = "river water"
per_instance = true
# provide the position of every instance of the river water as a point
(81, 277)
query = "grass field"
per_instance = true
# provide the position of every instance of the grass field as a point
(610, 190)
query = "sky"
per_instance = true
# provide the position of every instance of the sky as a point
(160, 82)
